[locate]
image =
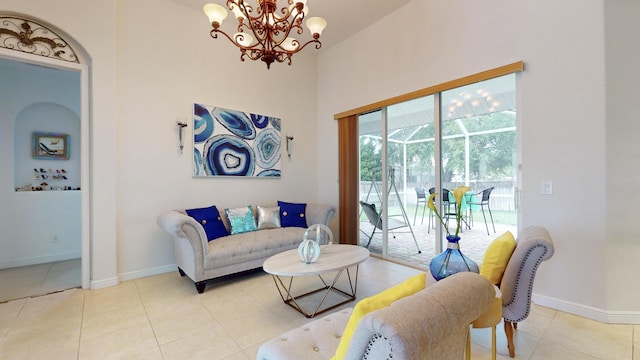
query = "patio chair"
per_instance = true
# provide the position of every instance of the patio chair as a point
(432, 220)
(451, 209)
(375, 219)
(486, 194)
(421, 198)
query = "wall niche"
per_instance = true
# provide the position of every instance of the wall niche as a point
(47, 148)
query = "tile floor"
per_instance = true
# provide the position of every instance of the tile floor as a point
(33, 280)
(162, 317)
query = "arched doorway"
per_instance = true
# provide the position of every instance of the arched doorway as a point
(39, 46)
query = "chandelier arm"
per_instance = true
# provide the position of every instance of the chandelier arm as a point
(285, 14)
(287, 27)
(317, 46)
(255, 54)
(214, 34)
(247, 11)
(261, 39)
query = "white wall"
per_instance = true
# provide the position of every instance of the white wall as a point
(562, 115)
(160, 75)
(43, 226)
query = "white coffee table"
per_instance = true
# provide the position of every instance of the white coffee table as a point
(337, 258)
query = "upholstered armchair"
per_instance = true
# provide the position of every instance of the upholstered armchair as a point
(534, 245)
(515, 280)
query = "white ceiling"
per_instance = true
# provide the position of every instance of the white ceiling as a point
(344, 17)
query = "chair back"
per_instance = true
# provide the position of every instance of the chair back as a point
(533, 246)
(445, 195)
(486, 193)
(421, 193)
(372, 214)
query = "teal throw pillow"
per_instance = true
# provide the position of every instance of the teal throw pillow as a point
(241, 219)
(210, 220)
(292, 214)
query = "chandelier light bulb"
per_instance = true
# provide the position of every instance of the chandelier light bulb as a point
(237, 12)
(290, 44)
(316, 25)
(294, 11)
(216, 13)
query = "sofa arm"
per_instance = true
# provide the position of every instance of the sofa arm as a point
(431, 324)
(190, 241)
(319, 214)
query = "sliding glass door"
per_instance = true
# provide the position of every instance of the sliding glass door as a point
(463, 136)
(479, 151)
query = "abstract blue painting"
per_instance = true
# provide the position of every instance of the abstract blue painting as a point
(235, 143)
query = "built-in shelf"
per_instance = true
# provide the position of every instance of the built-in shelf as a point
(49, 180)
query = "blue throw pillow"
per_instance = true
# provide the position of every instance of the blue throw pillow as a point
(210, 220)
(292, 215)
(241, 219)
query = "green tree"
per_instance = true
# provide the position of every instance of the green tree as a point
(490, 154)
(370, 157)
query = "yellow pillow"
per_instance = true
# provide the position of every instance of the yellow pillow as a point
(408, 287)
(497, 256)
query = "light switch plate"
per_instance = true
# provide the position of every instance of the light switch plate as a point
(546, 188)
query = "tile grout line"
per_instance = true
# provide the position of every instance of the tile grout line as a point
(146, 313)
(84, 299)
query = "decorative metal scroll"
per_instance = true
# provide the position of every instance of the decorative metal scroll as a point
(30, 37)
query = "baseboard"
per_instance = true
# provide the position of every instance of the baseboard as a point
(105, 283)
(100, 284)
(610, 317)
(147, 272)
(39, 260)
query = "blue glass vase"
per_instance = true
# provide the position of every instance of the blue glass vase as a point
(451, 261)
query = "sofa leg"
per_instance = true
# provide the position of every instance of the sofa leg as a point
(200, 286)
(181, 272)
(508, 330)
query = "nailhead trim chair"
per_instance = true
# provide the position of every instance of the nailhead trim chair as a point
(533, 246)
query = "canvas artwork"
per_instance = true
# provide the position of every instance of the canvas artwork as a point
(235, 143)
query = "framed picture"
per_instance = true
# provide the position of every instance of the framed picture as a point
(50, 146)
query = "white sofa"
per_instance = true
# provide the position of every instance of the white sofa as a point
(201, 260)
(430, 324)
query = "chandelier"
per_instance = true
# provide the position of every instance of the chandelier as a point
(264, 32)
